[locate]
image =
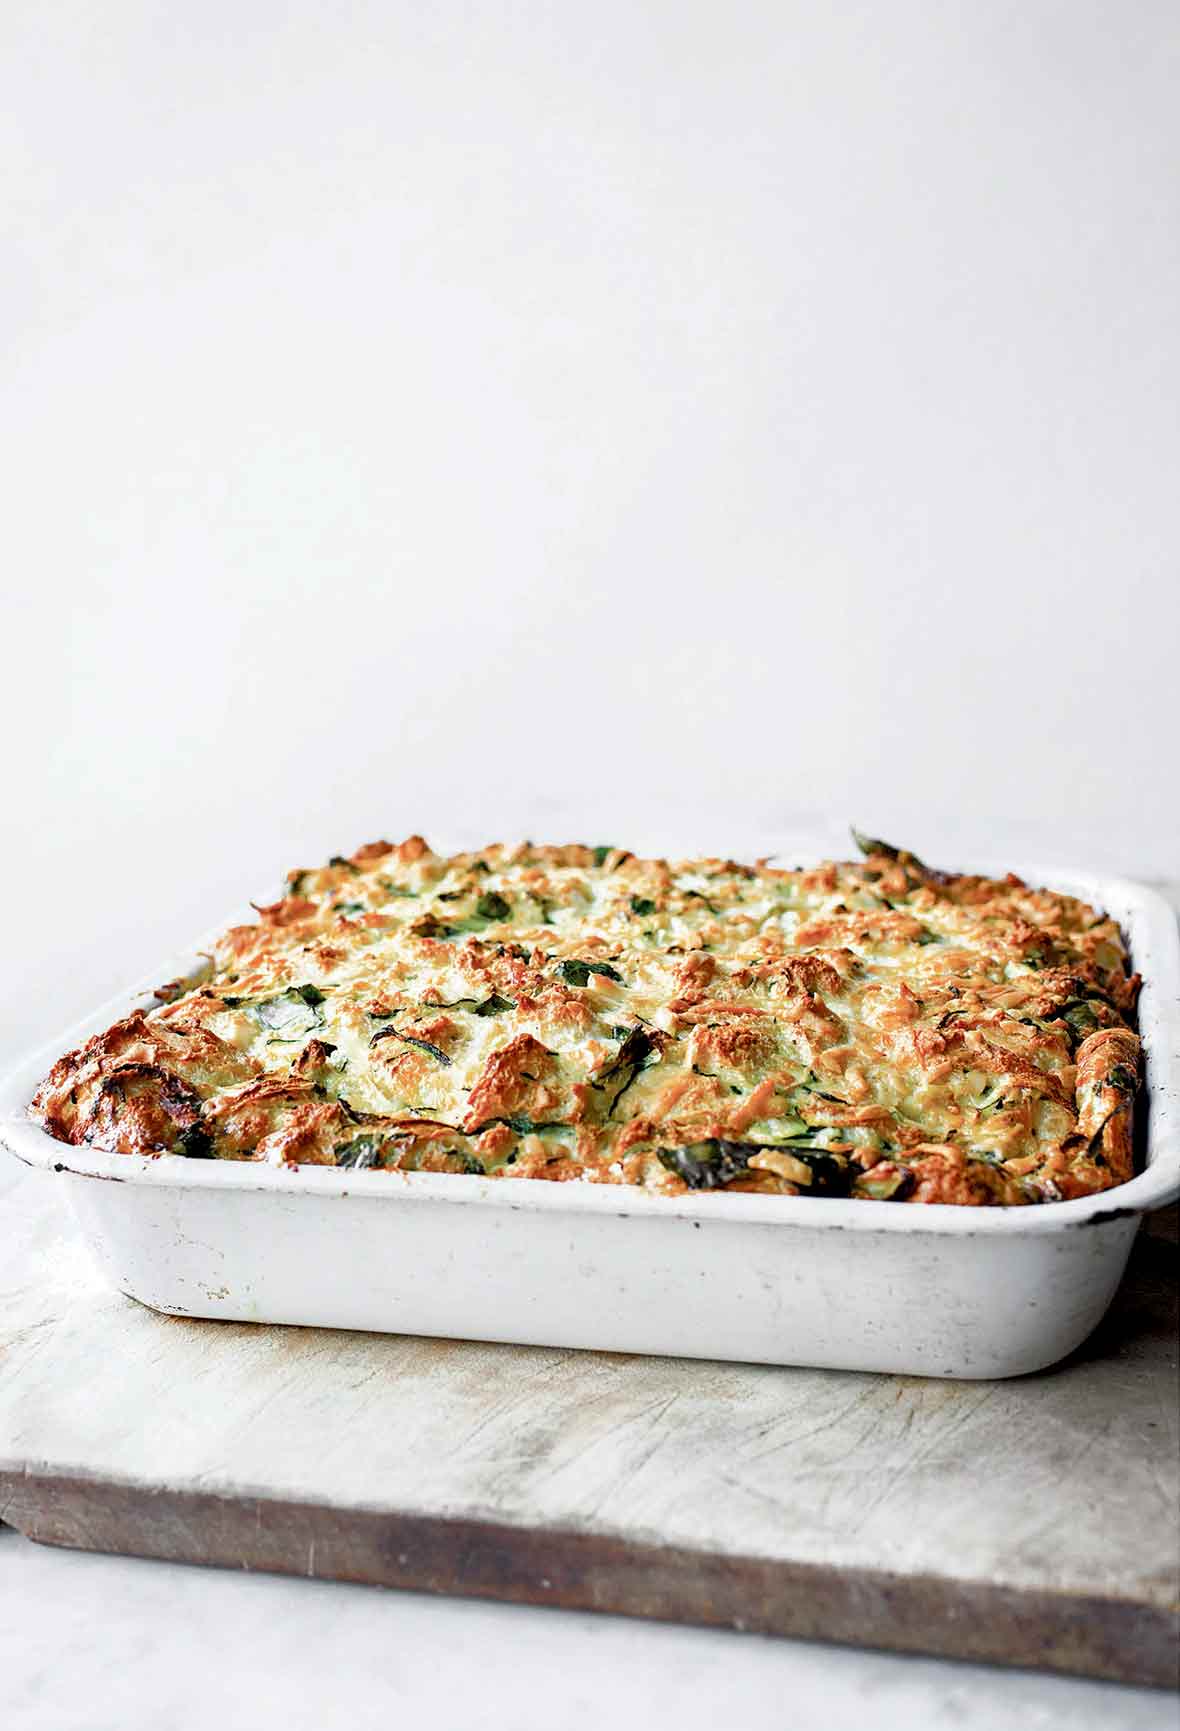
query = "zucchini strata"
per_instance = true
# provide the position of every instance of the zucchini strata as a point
(876, 1030)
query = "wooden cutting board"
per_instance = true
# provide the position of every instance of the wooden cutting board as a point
(1030, 1522)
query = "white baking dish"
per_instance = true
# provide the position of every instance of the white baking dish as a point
(930, 1290)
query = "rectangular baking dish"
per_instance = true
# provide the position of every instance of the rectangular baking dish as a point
(927, 1290)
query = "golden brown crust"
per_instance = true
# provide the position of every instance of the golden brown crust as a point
(874, 1029)
(1108, 1079)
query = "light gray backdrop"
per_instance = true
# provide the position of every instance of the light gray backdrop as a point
(468, 416)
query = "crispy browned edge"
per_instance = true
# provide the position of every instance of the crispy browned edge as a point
(1100, 1055)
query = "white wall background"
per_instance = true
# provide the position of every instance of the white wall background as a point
(465, 417)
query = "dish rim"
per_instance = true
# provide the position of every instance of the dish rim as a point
(1150, 926)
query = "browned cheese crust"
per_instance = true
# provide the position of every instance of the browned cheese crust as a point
(873, 1029)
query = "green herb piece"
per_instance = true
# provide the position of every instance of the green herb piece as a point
(430, 926)
(869, 844)
(358, 1117)
(630, 1059)
(435, 1052)
(1122, 1079)
(1082, 1019)
(456, 928)
(642, 906)
(295, 883)
(424, 1046)
(707, 1165)
(636, 1049)
(576, 973)
(491, 906)
(494, 1005)
(392, 889)
(523, 1125)
(348, 907)
(292, 1014)
(194, 1143)
(713, 1163)
(926, 936)
(601, 854)
(338, 859)
(362, 1151)
(810, 1084)
(986, 1157)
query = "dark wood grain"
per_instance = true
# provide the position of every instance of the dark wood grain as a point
(1093, 1636)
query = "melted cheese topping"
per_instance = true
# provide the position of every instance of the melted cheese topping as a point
(876, 1029)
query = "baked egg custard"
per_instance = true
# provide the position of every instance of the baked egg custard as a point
(874, 1030)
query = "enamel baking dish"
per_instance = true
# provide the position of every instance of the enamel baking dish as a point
(927, 1290)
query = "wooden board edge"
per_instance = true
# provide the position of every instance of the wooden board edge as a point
(1119, 1640)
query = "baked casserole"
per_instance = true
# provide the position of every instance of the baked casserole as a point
(875, 1029)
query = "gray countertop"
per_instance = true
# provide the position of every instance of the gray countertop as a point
(91, 1643)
